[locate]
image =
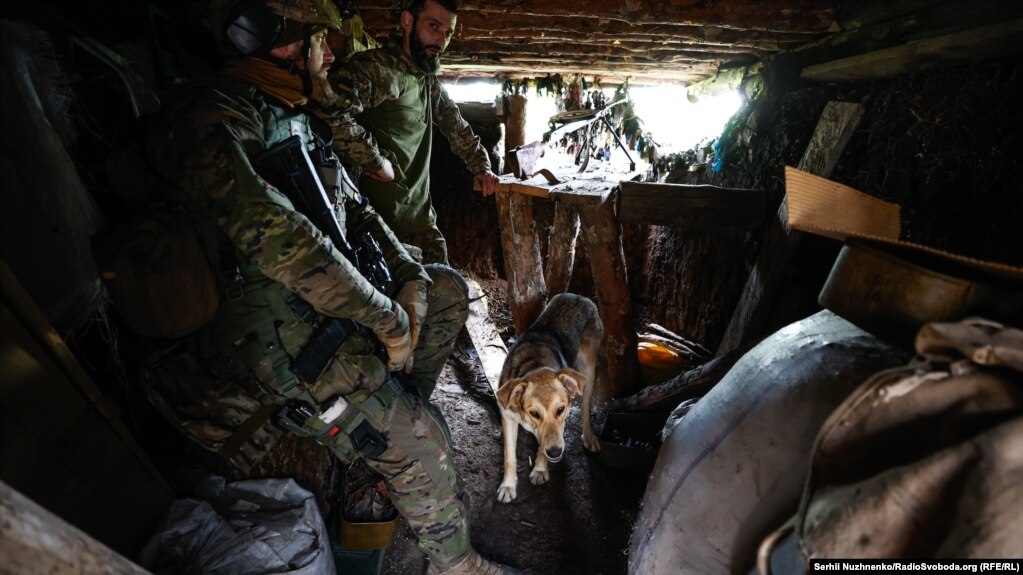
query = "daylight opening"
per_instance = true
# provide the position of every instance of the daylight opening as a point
(668, 118)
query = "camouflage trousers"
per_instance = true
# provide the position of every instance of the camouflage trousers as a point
(447, 308)
(418, 467)
(432, 244)
(418, 464)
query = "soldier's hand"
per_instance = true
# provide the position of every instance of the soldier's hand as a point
(384, 174)
(397, 340)
(412, 298)
(486, 182)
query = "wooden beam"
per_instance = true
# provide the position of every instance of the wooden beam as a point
(561, 248)
(768, 15)
(527, 294)
(675, 33)
(835, 128)
(969, 46)
(603, 236)
(489, 346)
(33, 541)
(691, 383)
(691, 207)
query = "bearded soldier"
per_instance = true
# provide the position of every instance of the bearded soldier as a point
(274, 352)
(389, 99)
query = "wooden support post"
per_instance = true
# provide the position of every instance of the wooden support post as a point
(33, 540)
(561, 248)
(603, 236)
(523, 267)
(834, 130)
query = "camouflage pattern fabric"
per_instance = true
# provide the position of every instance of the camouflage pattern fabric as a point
(431, 242)
(217, 381)
(385, 106)
(447, 309)
(419, 468)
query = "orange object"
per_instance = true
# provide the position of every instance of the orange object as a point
(658, 363)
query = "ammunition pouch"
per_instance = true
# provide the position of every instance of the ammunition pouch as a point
(350, 431)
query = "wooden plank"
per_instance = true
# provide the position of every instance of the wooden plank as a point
(968, 46)
(33, 540)
(692, 207)
(836, 126)
(62, 441)
(489, 346)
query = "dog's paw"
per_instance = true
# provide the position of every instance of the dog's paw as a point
(591, 443)
(539, 476)
(505, 493)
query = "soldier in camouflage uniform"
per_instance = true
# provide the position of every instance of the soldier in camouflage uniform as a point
(223, 384)
(388, 99)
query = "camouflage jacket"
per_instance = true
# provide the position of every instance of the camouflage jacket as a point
(204, 148)
(385, 107)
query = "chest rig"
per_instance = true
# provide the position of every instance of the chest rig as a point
(278, 345)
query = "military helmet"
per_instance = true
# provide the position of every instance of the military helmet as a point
(259, 26)
(322, 12)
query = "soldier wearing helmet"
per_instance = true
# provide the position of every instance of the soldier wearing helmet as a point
(282, 281)
(388, 100)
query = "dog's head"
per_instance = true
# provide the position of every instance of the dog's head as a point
(541, 399)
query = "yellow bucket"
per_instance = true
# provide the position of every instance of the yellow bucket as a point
(367, 535)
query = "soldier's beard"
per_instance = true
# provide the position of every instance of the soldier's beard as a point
(421, 58)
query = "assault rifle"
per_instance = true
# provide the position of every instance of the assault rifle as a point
(288, 167)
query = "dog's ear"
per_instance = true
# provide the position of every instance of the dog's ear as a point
(509, 395)
(574, 381)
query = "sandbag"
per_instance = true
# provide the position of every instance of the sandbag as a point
(925, 460)
(260, 526)
(734, 467)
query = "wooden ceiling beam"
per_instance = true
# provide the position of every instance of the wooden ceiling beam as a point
(597, 51)
(778, 15)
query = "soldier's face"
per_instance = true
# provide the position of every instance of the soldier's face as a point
(428, 34)
(320, 56)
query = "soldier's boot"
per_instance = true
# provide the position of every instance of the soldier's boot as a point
(474, 564)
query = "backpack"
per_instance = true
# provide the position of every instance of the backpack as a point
(156, 270)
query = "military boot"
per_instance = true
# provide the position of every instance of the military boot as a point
(474, 564)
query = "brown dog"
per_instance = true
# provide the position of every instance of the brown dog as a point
(552, 362)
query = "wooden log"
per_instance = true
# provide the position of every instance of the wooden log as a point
(679, 348)
(691, 207)
(603, 236)
(834, 129)
(489, 346)
(768, 15)
(33, 540)
(561, 248)
(527, 294)
(964, 47)
(686, 385)
(668, 334)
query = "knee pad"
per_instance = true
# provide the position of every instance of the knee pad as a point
(448, 285)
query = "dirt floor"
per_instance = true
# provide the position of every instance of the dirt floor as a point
(579, 522)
